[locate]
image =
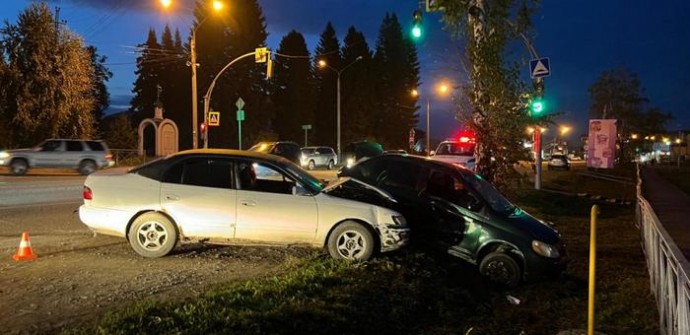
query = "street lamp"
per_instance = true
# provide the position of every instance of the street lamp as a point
(323, 64)
(441, 89)
(217, 6)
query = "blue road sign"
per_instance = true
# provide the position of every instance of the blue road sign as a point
(539, 68)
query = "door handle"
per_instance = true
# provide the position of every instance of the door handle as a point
(249, 203)
(172, 197)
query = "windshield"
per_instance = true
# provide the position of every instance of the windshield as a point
(455, 149)
(495, 199)
(302, 177)
(262, 147)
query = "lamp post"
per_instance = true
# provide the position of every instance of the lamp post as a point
(217, 6)
(323, 64)
(443, 90)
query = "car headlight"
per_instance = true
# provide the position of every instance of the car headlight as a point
(350, 162)
(399, 220)
(545, 249)
(4, 154)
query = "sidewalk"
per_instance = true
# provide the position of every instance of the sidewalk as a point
(671, 205)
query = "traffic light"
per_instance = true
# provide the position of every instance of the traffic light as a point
(537, 107)
(417, 24)
(204, 129)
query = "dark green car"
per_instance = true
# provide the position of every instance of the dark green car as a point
(454, 209)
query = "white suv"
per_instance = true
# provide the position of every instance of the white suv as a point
(456, 152)
(86, 156)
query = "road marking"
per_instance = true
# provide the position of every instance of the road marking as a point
(73, 202)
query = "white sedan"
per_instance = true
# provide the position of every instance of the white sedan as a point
(236, 197)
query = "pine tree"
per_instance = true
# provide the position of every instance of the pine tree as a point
(398, 73)
(325, 123)
(174, 75)
(293, 93)
(218, 41)
(100, 76)
(148, 77)
(358, 99)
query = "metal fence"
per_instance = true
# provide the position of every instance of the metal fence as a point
(668, 269)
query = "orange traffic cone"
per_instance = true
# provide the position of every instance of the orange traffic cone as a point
(24, 253)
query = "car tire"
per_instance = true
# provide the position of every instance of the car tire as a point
(19, 166)
(152, 235)
(501, 269)
(331, 165)
(87, 167)
(351, 241)
(311, 165)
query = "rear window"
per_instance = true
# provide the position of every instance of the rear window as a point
(95, 145)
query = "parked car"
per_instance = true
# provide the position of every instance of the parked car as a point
(558, 162)
(237, 197)
(313, 157)
(287, 149)
(357, 151)
(86, 156)
(456, 211)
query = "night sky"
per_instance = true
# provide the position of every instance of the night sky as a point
(582, 38)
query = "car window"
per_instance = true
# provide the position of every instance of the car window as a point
(308, 151)
(456, 149)
(368, 171)
(74, 146)
(95, 145)
(261, 177)
(52, 146)
(442, 184)
(400, 175)
(201, 171)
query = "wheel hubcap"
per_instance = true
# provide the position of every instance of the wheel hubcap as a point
(351, 245)
(152, 236)
(498, 271)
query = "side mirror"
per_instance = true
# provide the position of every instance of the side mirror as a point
(433, 152)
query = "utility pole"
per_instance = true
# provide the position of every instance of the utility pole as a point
(58, 23)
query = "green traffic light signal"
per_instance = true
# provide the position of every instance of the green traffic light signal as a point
(416, 32)
(537, 107)
(417, 24)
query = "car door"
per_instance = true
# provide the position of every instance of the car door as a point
(50, 154)
(197, 192)
(453, 206)
(267, 209)
(73, 154)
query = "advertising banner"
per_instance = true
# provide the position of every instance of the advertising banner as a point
(601, 144)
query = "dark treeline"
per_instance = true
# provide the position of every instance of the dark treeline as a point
(375, 84)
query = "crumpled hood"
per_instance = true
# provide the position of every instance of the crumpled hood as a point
(353, 189)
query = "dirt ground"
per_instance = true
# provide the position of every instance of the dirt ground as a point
(78, 276)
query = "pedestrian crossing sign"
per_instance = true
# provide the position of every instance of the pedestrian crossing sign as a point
(540, 68)
(213, 119)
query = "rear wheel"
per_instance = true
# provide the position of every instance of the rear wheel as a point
(87, 167)
(152, 235)
(311, 165)
(331, 164)
(19, 167)
(351, 241)
(501, 269)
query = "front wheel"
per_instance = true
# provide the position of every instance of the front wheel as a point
(351, 241)
(19, 167)
(87, 167)
(331, 165)
(311, 165)
(501, 269)
(152, 235)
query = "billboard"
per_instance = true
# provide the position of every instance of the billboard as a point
(601, 144)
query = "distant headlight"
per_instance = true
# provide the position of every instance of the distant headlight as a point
(350, 162)
(399, 220)
(4, 154)
(545, 249)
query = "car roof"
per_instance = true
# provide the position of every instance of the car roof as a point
(420, 160)
(229, 152)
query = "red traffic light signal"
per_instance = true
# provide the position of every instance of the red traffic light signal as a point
(204, 130)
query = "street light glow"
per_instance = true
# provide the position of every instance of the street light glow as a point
(564, 130)
(217, 5)
(166, 3)
(414, 92)
(322, 63)
(443, 88)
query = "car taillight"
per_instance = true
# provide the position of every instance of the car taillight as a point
(108, 156)
(88, 194)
